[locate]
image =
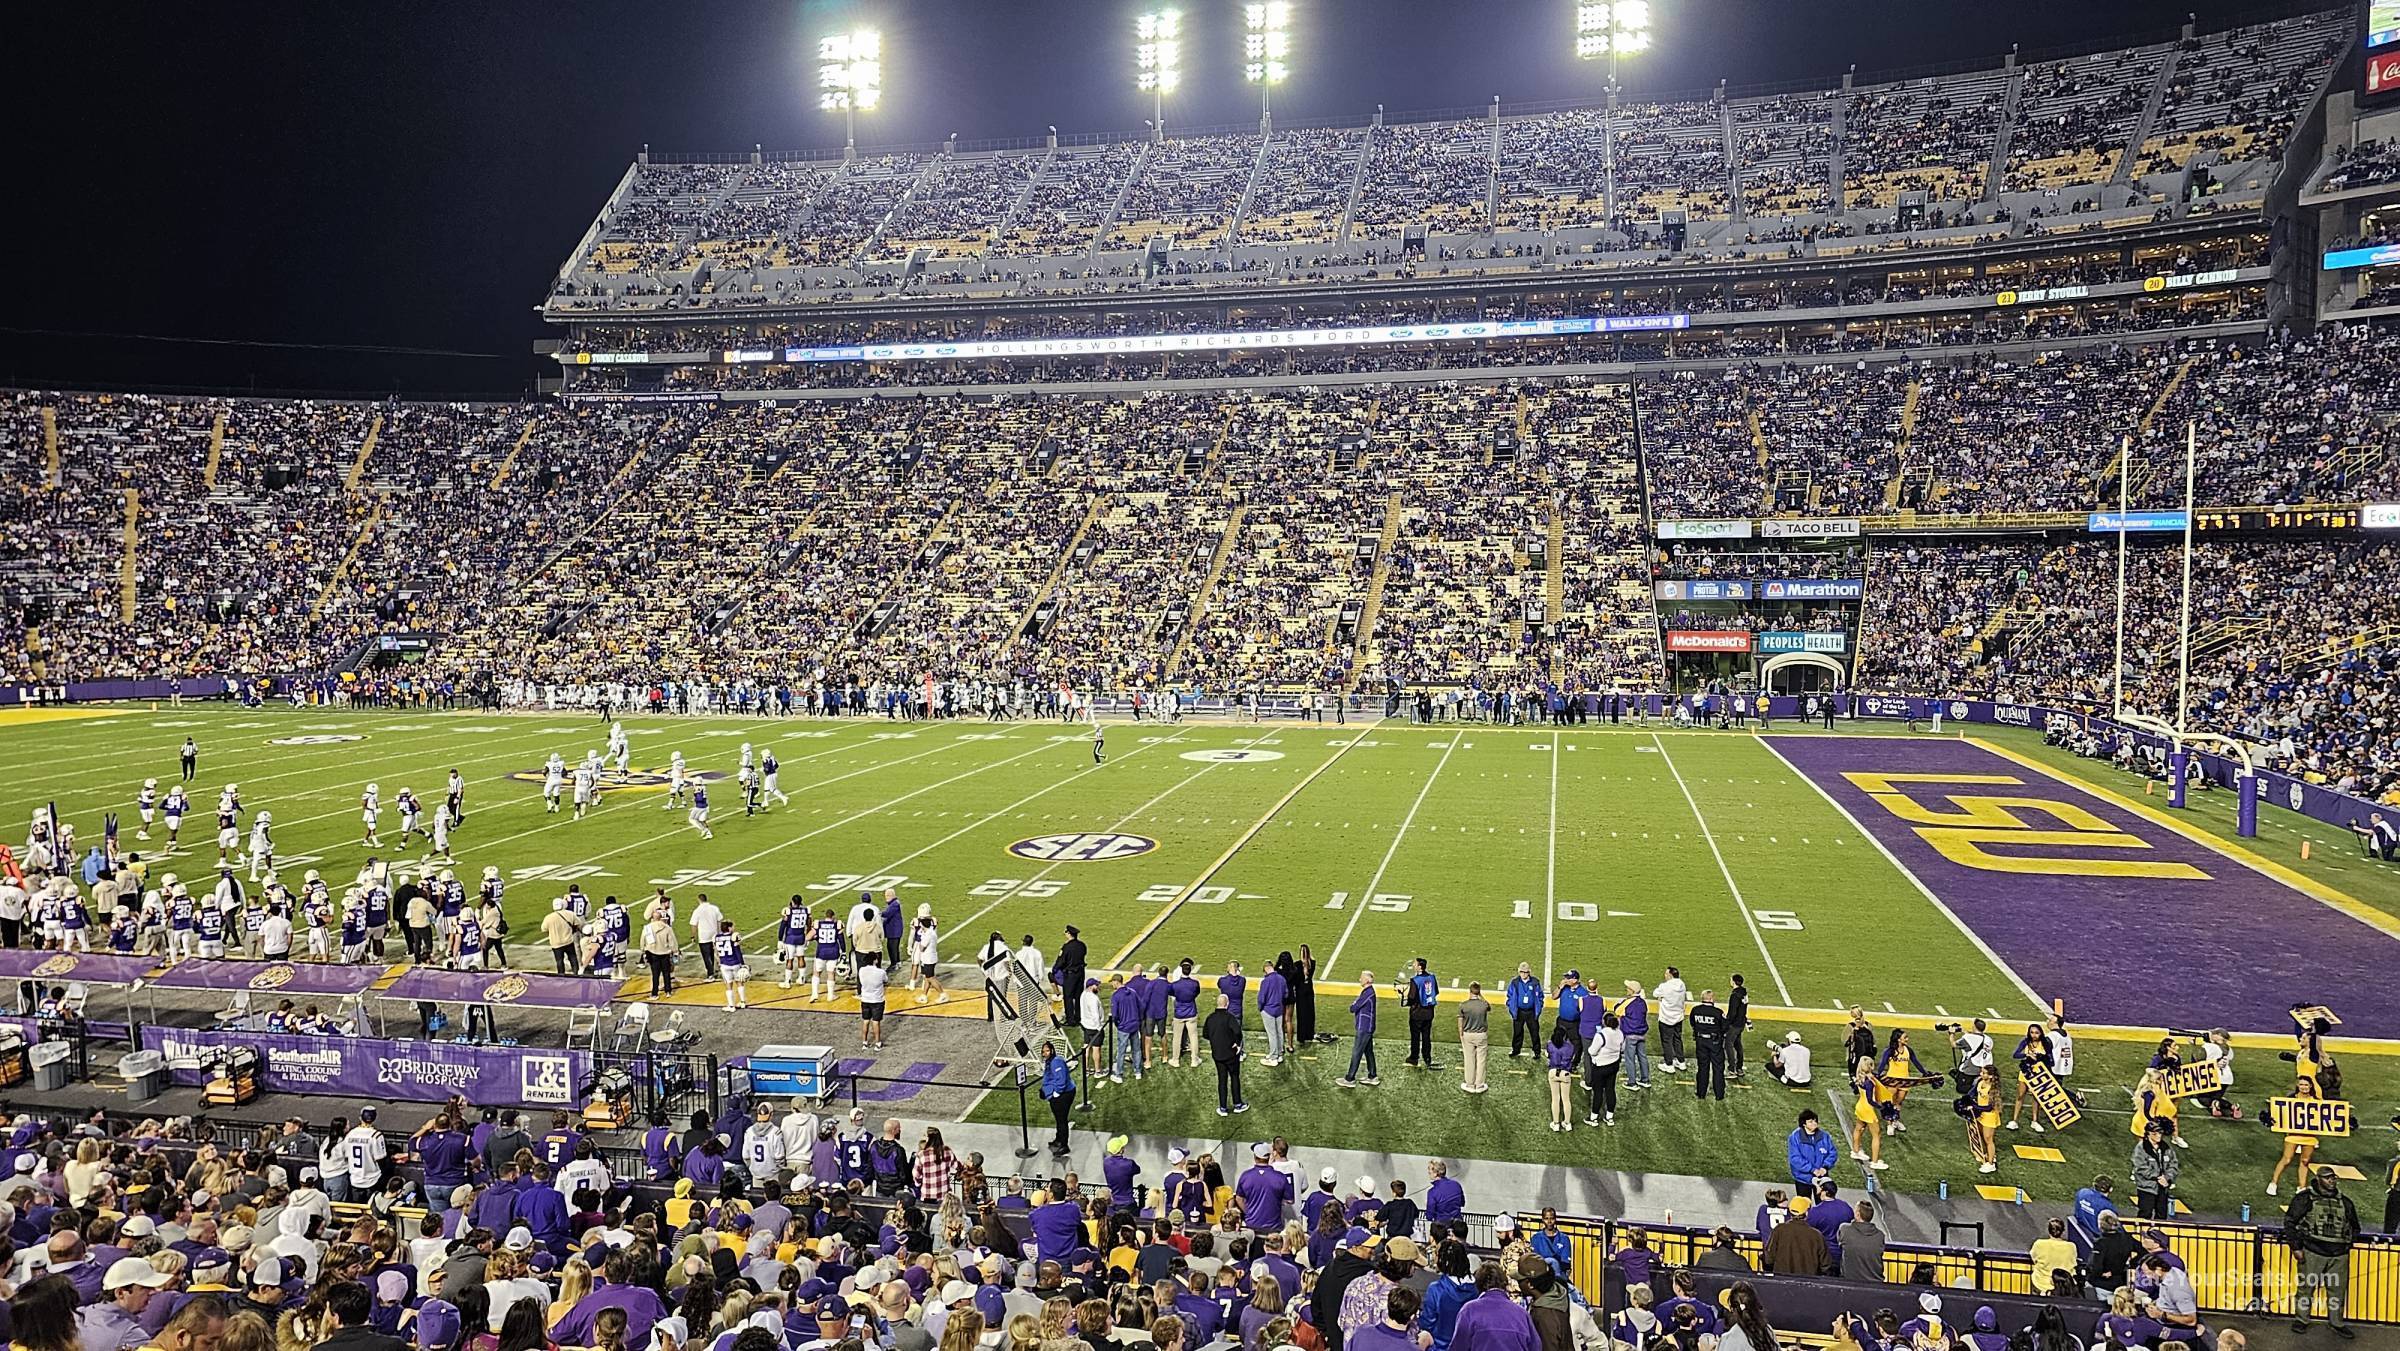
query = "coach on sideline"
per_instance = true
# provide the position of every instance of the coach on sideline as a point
(1524, 1011)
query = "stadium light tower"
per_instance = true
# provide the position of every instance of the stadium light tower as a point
(1158, 62)
(1611, 28)
(850, 77)
(1266, 50)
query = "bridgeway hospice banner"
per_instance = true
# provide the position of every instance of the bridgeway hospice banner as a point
(397, 1071)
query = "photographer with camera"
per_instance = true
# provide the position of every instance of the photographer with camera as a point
(1973, 1047)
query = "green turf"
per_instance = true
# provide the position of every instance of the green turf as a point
(1611, 850)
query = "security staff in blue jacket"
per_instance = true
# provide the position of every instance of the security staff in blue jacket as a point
(1571, 996)
(1422, 994)
(1058, 1089)
(1525, 1000)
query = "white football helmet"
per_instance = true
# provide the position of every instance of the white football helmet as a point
(373, 789)
(149, 783)
(491, 872)
(265, 817)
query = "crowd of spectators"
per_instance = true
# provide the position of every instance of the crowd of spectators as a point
(2367, 164)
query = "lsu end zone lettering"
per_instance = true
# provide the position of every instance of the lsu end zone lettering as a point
(1083, 847)
(2052, 1097)
(2309, 1116)
(1961, 831)
(631, 781)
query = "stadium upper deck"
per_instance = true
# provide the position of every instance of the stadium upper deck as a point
(2125, 135)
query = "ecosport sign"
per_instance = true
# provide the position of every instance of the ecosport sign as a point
(1704, 529)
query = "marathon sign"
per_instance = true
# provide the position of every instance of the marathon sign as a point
(1705, 640)
(1704, 529)
(1702, 590)
(1813, 588)
(1770, 644)
(370, 1067)
(1829, 527)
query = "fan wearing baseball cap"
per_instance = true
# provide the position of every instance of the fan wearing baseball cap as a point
(115, 1323)
(1265, 1191)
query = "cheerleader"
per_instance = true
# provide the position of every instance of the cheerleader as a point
(2033, 1051)
(2300, 1149)
(1983, 1126)
(1899, 1062)
(1867, 1114)
(2152, 1102)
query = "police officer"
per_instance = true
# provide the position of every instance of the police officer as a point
(1709, 1028)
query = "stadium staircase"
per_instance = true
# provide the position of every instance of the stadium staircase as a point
(1200, 598)
(929, 554)
(1016, 206)
(128, 571)
(366, 447)
(216, 454)
(1117, 203)
(1041, 597)
(1393, 511)
(1358, 180)
(2317, 658)
(50, 474)
(1733, 159)
(1908, 434)
(1758, 439)
(1997, 173)
(866, 248)
(2127, 162)
(2139, 475)
(1241, 209)
(1554, 587)
(1833, 158)
(2224, 631)
(366, 531)
(508, 462)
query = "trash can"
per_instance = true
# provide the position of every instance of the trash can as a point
(49, 1065)
(145, 1075)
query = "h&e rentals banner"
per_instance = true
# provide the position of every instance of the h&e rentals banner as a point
(396, 1071)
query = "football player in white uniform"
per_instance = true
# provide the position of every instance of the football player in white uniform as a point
(676, 787)
(620, 748)
(148, 804)
(370, 807)
(262, 845)
(769, 770)
(441, 835)
(585, 778)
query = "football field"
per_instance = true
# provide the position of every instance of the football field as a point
(1800, 860)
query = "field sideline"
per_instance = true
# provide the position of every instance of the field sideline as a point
(1615, 851)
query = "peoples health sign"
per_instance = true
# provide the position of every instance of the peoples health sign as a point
(1778, 642)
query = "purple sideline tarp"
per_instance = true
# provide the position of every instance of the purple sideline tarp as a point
(103, 691)
(90, 968)
(395, 1071)
(321, 979)
(521, 988)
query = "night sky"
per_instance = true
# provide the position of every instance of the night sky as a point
(410, 176)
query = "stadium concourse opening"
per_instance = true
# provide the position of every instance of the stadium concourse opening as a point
(1794, 668)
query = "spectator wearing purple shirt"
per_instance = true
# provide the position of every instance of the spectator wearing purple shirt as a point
(1125, 1011)
(1491, 1321)
(1392, 1332)
(641, 1305)
(1273, 993)
(1827, 1216)
(1362, 1041)
(1234, 986)
(1056, 1225)
(1119, 1170)
(1154, 1012)
(1633, 1019)
(1264, 1190)
(1445, 1200)
(1325, 1195)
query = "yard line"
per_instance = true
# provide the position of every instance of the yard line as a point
(1748, 919)
(1399, 837)
(985, 821)
(1550, 885)
(1167, 911)
(1913, 880)
(847, 820)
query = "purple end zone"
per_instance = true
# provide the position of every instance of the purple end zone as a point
(2233, 948)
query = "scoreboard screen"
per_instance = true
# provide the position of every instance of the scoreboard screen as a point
(2383, 24)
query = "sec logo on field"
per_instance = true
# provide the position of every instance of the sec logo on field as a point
(313, 740)
(1083, 847)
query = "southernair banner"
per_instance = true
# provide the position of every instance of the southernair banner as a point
(396, 1071)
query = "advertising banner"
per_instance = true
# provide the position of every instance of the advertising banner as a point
(1828, 527)
(1355, 335)
(2380, 516)
(1777, 642)
(1704, 529)
(1813, 588)
(396, 1071)
(1703, 589)
(1694, 640)
(2116, 522)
